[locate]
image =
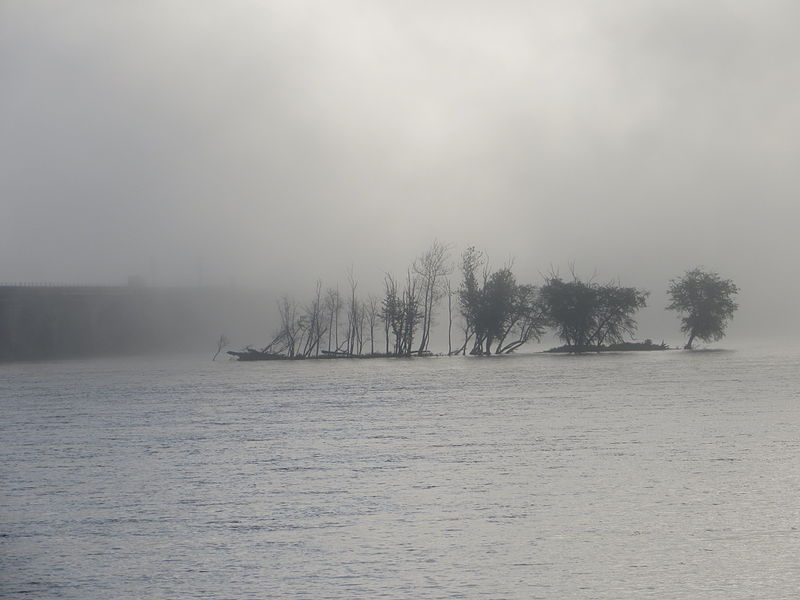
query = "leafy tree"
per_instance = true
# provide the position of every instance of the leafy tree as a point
(469, 294)
(524, 319)
(495, 306)
(614, 313)
(587, 315)
(706, 304)
(569, 306)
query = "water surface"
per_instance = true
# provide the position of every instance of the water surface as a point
(631, 475)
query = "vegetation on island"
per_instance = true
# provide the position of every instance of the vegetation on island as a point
(644, 346)
(495, 313)
(499, 315)
(587, 316)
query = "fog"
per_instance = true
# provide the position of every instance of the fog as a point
(269, 144)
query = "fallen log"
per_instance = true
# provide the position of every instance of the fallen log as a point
(253, 354)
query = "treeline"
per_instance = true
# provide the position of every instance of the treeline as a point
(488, 312)
(341, 323)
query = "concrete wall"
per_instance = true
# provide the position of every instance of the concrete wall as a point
(42, 322)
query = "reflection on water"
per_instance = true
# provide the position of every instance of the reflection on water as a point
(664, 475)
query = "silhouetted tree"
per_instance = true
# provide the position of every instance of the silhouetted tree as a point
(587, 315)
(353, 319)
(412, 314)
(314, 320)
(390, 307)
(569, 306)
(361, 319)
(615, 309)
(469, 294)
(373, 313)
(524, 321)
(705, 301)
(495, 306)
(431, 270)
(449, 317)
(401, 313)
(292, 327)
(333, 306)
(221, 343)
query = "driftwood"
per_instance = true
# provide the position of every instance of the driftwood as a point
(253, 354)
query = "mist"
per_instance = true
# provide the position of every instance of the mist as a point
(271, 144)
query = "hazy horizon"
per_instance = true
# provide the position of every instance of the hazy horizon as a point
(271, 144)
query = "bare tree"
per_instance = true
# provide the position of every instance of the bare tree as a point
(373, 314)
(449, 317)
(389, 307)
(361, 318)
(221, 343)
(411, 314)
(316, 329)
(333, 306)
(292, 326)
(352, 314)
(431, 269)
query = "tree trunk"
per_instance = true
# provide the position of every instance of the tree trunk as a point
(449, 320)
(688, 345)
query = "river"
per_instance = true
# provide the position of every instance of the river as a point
(632, 475)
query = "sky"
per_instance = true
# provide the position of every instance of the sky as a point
(274, 143)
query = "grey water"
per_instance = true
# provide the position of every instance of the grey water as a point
(634, 475)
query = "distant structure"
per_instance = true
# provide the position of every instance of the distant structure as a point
(46, 321)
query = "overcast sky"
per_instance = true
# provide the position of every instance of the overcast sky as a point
(277, 142)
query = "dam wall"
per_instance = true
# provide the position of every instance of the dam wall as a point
(68, 321)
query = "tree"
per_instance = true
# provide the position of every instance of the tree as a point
(706, 304)
(524, 321)
(411, 314)
(353, 315)
(449, 318)
(495, 306)
(390, 307)
(221, 343)
(373, 312)
(431, 269)
(401, 314)
(616, 306)
(569, 306)
(587, 315)
(293, 327)
(333, 305)
(313, 318)
(469, 294)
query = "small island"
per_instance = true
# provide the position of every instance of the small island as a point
(491, 312)
(645, 346)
